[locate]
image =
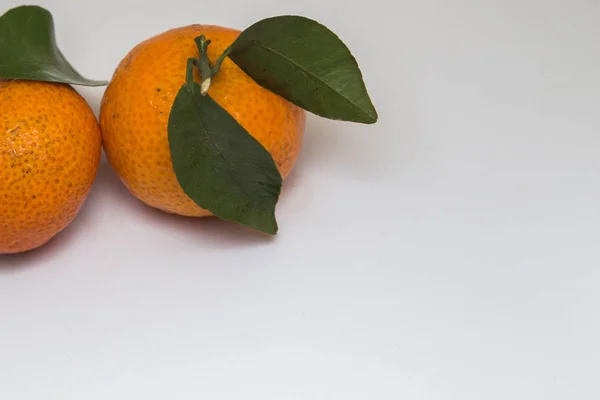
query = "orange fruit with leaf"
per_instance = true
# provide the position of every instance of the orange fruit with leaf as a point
(50, 140)
(205, 120)
(137, 103)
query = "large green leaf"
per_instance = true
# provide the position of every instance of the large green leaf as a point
(306, 63)
(219, 164)
(28, 49)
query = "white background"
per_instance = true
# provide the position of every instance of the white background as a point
(449, 252)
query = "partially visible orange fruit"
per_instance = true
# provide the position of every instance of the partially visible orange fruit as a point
(136, 106)
(49, 153)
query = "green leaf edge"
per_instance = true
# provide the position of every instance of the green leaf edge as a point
(370, 119)
(275, 227)
(80, 80)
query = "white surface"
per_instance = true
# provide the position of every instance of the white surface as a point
(449, 252)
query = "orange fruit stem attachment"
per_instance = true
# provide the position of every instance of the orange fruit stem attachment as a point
(207, 70)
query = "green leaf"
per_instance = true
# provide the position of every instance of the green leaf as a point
(28, 49)
(306, 63)
(219, 164)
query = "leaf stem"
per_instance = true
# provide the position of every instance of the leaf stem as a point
(222, 57)
(203, 64)
(189, 72)
(207, 70)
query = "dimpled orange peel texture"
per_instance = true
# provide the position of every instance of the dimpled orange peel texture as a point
(136, 106)
(49, 153)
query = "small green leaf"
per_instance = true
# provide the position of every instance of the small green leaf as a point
(219, 165)
(306, 63)
(28, 49)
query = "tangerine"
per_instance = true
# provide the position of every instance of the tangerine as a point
(136, 105)
(50, 147)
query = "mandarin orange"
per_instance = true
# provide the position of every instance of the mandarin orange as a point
(50, 148)
(135, 112)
